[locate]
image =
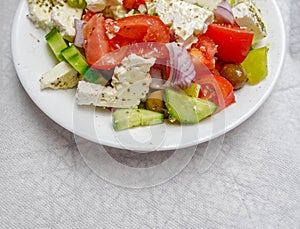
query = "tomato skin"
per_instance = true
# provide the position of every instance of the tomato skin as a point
(233, 43)
(139, 28)
(226, 89)
(96, 40)
(216, 89)
(103, 53)
(128, 32)
(205, 49)
(143, 35)
(200, 67)
(133, 4)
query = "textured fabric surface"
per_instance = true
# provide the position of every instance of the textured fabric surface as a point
(253, 183)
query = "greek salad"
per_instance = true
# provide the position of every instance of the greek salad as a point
(149, 61)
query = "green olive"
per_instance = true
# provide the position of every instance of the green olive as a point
(155, 101)
(235, 74)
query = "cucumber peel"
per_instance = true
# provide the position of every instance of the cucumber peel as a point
(56, 43)
(78, 62)
(129, 118)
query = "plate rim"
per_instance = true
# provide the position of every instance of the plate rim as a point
(226, 128)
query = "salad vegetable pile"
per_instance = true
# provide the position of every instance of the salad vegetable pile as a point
(153, 60)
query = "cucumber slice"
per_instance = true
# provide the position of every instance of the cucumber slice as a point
(186, 109)
(74, 57)
(129, 118)
(78, 62)
(56, 43)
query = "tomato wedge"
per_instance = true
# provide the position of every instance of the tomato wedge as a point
(216, 89)
(144, 35)
(125, 33)
(138, 28)
(145, 50)
(205, 50)
(96, 40)
(233, 43)
(133, 4)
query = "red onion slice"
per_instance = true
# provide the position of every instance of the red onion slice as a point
(79, 39)
(223, 13)
(182, 70)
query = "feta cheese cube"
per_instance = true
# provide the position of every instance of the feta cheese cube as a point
(186, 19)
(40, 13)
(115, 11)
(206, 4)
(63, 19)
(47, 14)
(96, 5)
(61, 76)
(130, 84)
(110, 8)
(248, 15)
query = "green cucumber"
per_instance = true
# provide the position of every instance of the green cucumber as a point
(186, 109)
(129, 118)
(75, 58)
(56, 43)
(78, 62)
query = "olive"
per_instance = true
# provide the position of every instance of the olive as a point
(235, 74)
(155, 101)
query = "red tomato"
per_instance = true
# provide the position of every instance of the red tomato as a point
(205, 49)
(143, 35)
(199, 65)
(87, 15)
(233, 43)
(150, 49)
(96, 40)
(133, 4)
(138, 28)
(127, 32)
(217, 89)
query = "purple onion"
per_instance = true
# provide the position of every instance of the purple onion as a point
(79, 39)
(223, 13)
(182, 70)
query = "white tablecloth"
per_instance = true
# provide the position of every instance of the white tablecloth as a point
(253, 183)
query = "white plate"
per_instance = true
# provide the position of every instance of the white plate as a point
(32, 58)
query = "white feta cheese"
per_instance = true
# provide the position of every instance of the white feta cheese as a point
(115, 11)
(40, 13)
(187, 20)
(206, 4)
(137, 62)
(95, 94)
(47, 14)
(96, 5)
(130, 84)
(110, 8)
(100, 5)
(142, 9)
(151, 7)
(61, 76)
(63, 19)
(248, 15)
